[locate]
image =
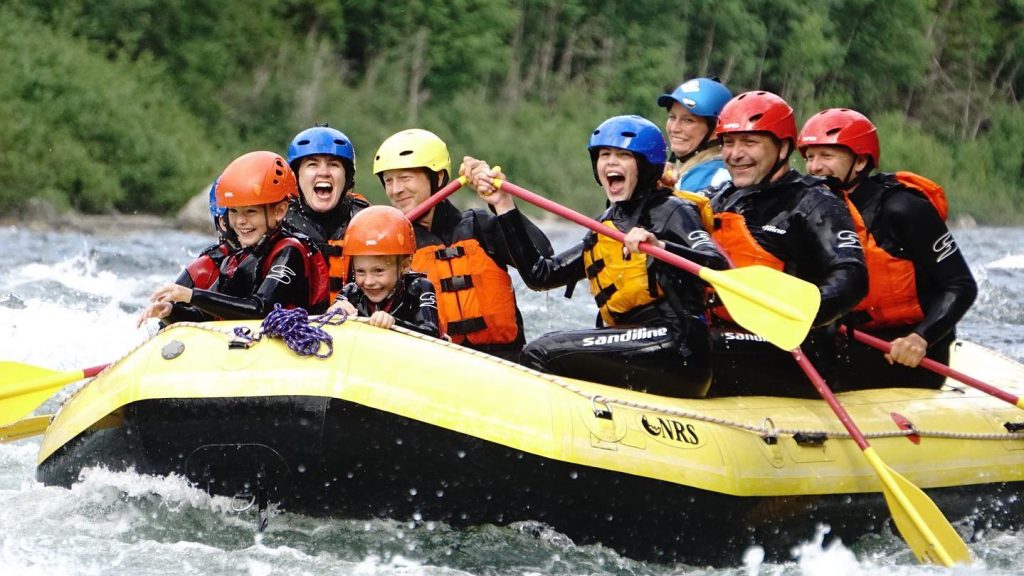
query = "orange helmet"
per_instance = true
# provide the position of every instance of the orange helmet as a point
(379, 231)
(256, 178)
(757, 111)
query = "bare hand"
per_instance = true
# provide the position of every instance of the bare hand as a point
(343, 306)
(908, 350)
(481, 177)
(635, 237)
(158, 310)
(382, 319)
(171, 293)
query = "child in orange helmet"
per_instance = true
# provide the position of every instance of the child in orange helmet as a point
(381, 242)
(272, 265)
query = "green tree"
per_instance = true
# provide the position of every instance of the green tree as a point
(90, 133)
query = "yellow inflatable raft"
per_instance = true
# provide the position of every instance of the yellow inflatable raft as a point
(402, 426)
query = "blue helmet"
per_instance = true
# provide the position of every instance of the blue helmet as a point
(215, 210)
(322, 139)
(638, 135)
(703, 97)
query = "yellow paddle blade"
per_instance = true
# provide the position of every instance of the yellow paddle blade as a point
(920, 522)
(24, 387)
(25, 428)
(774, 305)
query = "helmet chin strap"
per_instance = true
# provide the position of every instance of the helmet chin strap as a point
(779, 162)
(851, 180)
(437, 180)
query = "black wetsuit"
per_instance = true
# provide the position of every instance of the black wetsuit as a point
(801, 222)
(662, 347)
(905, 224)
(244, 291)
(413, 303)
(324, 227)
(449, 226)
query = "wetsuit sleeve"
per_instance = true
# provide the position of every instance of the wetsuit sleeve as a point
(284, 284)
(181, 312)
(419, 309)
(539, 269)
(945, 283)
(837, 249)
(348, 292)
(684, 236)
(497, 243)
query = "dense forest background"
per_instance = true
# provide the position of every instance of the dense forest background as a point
(135, 105)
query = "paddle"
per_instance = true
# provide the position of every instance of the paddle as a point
(774, 305)
(938, 368)
(923, 526)
(24, 387)
(25, 428)
(928, 533)
(436, 198)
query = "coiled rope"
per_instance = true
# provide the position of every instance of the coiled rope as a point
(303, 337)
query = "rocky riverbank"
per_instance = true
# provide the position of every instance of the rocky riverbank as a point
(41, 215)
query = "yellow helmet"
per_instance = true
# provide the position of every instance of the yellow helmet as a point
(413, 148)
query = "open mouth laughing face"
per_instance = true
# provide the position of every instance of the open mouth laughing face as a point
(618, 173)
(322, 181)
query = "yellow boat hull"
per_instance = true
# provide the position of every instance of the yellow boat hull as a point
(401, 426)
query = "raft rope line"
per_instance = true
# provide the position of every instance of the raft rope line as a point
(302, 334)
(767, 430)
(763, 431)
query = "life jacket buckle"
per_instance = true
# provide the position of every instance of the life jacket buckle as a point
(456, 283)
(449, 252)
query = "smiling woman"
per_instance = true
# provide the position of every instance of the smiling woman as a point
(653, 338)
(324, 162)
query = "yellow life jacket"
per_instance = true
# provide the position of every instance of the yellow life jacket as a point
(618, 284)
(707, 217)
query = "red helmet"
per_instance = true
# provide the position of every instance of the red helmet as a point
(379, 231)
(841, 127)
(256, 178)
(757, 111)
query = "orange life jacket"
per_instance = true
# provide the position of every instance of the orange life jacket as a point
(337, 266)
(618, 285)
(739, 246)
(475, 299)
(892, 285)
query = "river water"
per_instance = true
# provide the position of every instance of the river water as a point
(69, 301)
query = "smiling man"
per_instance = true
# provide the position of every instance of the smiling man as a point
(464, 254)
(774, 216)
(920, 284)
(324, 162)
